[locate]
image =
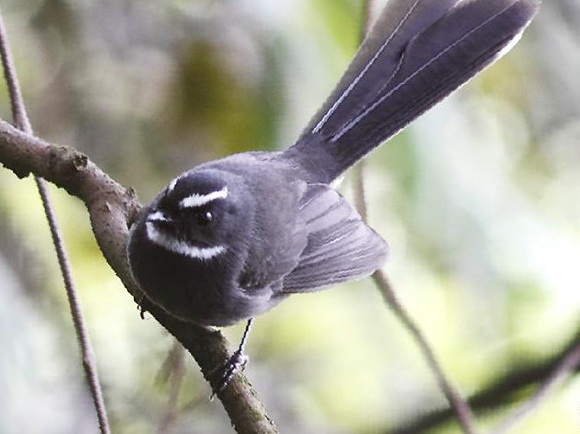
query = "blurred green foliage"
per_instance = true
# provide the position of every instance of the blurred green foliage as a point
(479, 201)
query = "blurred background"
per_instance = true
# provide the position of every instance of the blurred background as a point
(479, 200)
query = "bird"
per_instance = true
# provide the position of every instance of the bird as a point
(230, 239)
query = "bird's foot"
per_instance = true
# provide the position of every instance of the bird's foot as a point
(226, 371)
(236, 363)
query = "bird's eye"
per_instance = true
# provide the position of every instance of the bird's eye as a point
(203, 218)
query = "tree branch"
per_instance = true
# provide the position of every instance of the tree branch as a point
(457, 403)
(111, 208)
(565, 368)
(502, 392)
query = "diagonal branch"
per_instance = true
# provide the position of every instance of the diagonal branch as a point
(111, 207)
(563, 370)
(514, 382)
(458, 404)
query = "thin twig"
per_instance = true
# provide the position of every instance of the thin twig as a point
(565, 368)
(359, 192)
(456, 401)
(508, 388)
(22, 122)
(368, 12)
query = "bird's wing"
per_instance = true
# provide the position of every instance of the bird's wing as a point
(340, 246)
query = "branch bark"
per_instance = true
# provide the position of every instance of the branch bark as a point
(111, 208)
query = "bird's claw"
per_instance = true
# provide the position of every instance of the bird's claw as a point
(236, 363)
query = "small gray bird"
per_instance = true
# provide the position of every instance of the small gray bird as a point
(230, 239)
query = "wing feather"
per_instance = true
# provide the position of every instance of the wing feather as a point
(340, 245)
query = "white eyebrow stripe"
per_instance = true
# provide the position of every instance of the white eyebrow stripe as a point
(196, 200)
(182, 247)
(157, 216)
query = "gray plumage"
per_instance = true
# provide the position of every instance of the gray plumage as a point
(230, 239)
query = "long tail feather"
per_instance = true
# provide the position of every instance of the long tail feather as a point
(417, 54)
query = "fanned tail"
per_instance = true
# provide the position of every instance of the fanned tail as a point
(418, 52)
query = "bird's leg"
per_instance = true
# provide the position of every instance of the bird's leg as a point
(234, 364)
